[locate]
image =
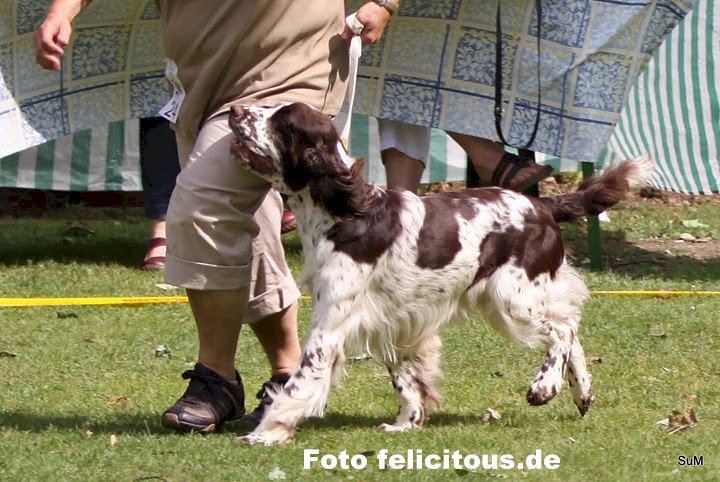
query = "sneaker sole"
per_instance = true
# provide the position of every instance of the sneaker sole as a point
(171, 421)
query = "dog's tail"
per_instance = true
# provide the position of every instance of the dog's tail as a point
(600, 192)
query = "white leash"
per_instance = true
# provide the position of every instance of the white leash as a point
(343, 119)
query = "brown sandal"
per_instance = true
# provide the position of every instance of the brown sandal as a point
(154, 263)
(518, 173)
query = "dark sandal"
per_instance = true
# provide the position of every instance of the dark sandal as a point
(208, 402)
(154, 263)
(510, 165)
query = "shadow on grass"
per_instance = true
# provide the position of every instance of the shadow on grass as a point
(117, 424)
(120, 251)
(627, 258)
(149, 424)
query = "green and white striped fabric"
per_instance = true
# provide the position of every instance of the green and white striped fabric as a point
(447, 160)
(108, 159)
(673, 112)
(101, 159)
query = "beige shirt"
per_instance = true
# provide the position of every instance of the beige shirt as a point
(254, 52)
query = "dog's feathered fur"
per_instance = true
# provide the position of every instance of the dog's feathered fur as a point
(388, 270)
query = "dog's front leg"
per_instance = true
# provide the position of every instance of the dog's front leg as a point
(414, 380)
(579, 378)
(548, 381)
(305, 393)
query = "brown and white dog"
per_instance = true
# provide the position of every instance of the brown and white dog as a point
(388, 270)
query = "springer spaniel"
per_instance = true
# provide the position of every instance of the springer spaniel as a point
(388, 270)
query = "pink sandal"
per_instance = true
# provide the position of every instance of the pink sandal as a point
(154, 263)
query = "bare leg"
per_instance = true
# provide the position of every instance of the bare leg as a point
(278, 335)
(402, 171)
(486, 156)
(218, 316)
(483, 153)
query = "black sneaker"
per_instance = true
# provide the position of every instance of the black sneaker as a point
(275, 384)
(209, 401)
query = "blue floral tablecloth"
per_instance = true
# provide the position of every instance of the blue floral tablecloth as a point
(112, 70)
(434, 66)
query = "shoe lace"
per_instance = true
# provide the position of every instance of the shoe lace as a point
(264, 394)
(208, 386)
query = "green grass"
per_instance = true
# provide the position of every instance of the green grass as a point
(72, 378)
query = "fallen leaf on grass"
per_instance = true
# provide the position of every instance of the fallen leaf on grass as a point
(277, 474)
(7, 354)
(166, 287)
(688, 396)
(77, 229)
(591, 360)
(113, 440)
(163, 351)
(491, 415)
(118, 399)
(678, 421)
(694, 223)
(66, 314)
(89, 433)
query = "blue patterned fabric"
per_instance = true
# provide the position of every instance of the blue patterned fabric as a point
(435, 66)
(112, 70)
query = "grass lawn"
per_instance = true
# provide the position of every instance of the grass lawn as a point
(82, 387)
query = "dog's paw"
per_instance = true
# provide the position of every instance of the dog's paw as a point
(268, 437)
(541, 393)
(585, 402)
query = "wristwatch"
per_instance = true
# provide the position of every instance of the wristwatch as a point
(388, 5)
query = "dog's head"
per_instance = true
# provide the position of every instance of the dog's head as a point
(296, 148)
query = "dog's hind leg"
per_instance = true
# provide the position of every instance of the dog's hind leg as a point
(579, 379)
(549, 379)
(414, 379)
(304, 394)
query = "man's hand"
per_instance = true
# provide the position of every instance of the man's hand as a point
(53, 34)
(51, 38)
(374, 18)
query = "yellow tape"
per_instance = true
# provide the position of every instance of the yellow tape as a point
(655, 293)
(134, 300)
(144, 300)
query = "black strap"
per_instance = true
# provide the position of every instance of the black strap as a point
(499, 77)
(516, 164)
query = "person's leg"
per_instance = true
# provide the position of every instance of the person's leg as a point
(403, 172)
(159, 168)
(498, 168)
(215, 214)
(404, 149)
(278, 336)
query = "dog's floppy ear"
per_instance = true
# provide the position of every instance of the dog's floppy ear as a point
(338, 188)
(299, 128)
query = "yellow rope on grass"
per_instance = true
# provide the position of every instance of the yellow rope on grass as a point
(144, 300)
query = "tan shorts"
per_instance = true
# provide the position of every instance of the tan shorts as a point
(223, 226)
